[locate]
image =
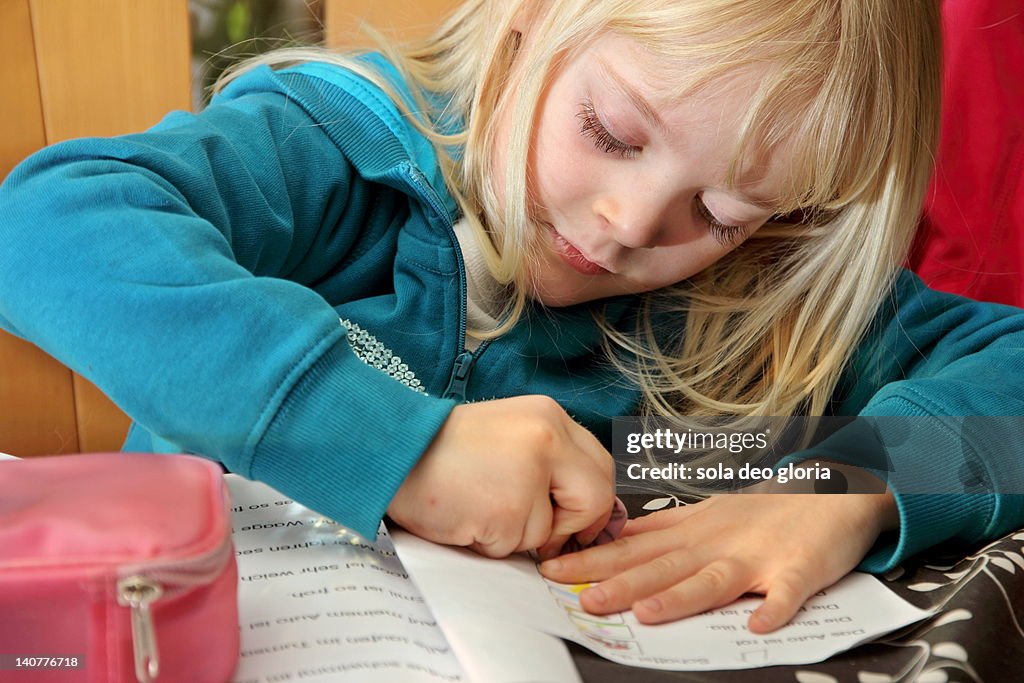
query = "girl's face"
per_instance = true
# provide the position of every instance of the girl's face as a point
(627, 189)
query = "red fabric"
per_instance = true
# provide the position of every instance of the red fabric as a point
(971, 240)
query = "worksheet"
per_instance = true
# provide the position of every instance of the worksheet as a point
(319, 603)
(464, 589)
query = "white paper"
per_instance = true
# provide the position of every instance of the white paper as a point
(495, 650)
(463, 586)
(318, 603)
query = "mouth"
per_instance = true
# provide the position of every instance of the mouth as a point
(573, 257)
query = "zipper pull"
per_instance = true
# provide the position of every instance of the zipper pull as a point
(460, 377)
(138, 593)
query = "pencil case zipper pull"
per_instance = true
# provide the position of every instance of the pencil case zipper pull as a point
(138, 593)
(144, 584)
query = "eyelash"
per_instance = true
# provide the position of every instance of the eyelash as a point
(723, 234)
(591, 127)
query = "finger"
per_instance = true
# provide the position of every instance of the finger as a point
(715, 585)
(786, 594)
(622, 590)
(661, 519)
(539, 525)
(605, 561)
(553, 546)
(583, 495)
(495, 548)
(503, 533)
(582, 483)
(587, 536)
(601, 531)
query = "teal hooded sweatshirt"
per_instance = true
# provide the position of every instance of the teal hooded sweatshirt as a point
(275, 283)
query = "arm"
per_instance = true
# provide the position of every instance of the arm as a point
(933, 354)
(174, 268)
(180, 270)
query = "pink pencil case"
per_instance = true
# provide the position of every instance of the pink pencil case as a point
(116, 567)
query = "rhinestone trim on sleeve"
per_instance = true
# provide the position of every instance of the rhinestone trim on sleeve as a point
(372, 351)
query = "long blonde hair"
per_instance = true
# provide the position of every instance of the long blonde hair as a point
(853, 96)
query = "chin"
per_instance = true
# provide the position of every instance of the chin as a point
(556, 287)
(559, 301)
(555, 297)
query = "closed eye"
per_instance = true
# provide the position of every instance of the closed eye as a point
(724, 234)
(591, 127)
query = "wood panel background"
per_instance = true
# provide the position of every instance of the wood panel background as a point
(399, 19)
(72, 69)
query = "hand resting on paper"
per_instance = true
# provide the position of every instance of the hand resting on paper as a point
(675, 563)
(507, 476)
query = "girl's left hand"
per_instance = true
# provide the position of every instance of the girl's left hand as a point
(675, 563)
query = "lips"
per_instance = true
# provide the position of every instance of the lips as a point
(574, 258)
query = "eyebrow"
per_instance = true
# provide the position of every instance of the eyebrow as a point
(637, 100)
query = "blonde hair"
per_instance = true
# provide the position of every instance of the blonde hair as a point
(852, 94)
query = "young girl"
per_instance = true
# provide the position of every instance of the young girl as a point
(660, 207)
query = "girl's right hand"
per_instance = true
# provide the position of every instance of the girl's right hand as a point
(506, 476)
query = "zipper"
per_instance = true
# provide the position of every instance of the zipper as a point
(460, 377)
(138, 593)
(142, 585)
(428, 194)
(465, 359)
(461, 371)
(185, 573)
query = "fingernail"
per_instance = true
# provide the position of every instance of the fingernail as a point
(551, 565)
(597, 595)
(652, 604)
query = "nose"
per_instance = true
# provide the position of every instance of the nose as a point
(643, 220)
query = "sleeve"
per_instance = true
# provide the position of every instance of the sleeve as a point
(949, 372)
(176, 269)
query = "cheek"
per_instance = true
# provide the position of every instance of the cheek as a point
(675, 264)
(562, 166)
